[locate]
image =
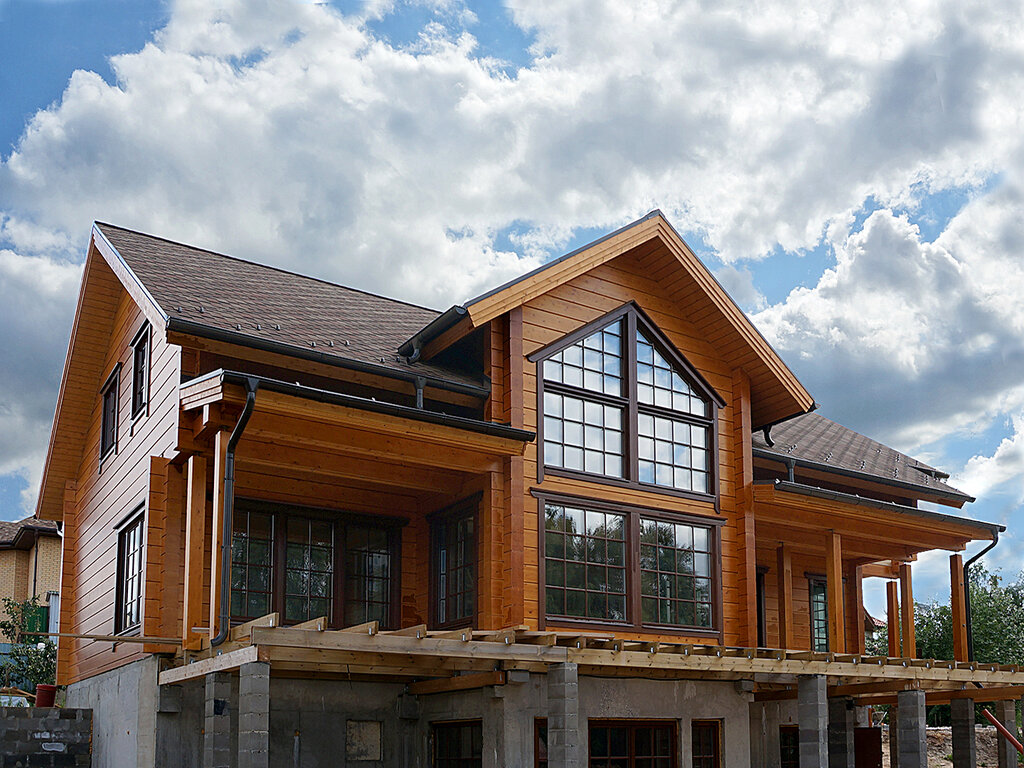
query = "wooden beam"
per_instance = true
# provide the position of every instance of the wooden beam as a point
(907, 616)
(784, 573)
(892, 601)
(243, 631)
(220, 448)
(458, 683)
(195, 544)
(978, 695)
(834, 591)
(855, 582)
(958, 606)
(223, 663)
(881, 570)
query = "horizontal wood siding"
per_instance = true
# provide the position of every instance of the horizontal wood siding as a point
(104, 497)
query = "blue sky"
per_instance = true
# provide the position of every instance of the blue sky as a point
(853, 180)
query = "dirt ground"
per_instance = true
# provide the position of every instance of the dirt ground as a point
(940, 747)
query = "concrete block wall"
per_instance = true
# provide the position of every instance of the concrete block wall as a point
(45, 737)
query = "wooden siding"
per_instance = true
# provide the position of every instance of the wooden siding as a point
(105, 496)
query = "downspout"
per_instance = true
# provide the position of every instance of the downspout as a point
(967, 593)
(251, 385)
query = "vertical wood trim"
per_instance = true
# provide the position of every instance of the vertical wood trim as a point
(958, 606)
(834, 589)
(892, 602)
(68, 586)
(220, 449)
(744, 478)
(855, 582)
(195, 544)
(515, 572)
(784, 574)
(173, 533)
(516, 362)
(907, 615)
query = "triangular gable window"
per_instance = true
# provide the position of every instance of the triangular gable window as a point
(620, 402)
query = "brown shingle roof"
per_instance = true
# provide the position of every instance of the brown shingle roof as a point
(9, 529)
(814, 438)
(269, 304)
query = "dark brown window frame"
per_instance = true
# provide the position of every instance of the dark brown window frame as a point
(633, 514)
(635, 319)
(142, 340)
(439, 521)
(136, 519)
(441, 725)
(340, 519)
(814, 580)
(108, 425)
(632, 725)
(719, 726)
(761, 574)
(789, 732)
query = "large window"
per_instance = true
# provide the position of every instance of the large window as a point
(458, 745)
(454, 542)
(618, 402)
(108, 417)
(819, 614)
(128, 595)
(630, 744)
(607, 564)
(140, 372)
(305, 564)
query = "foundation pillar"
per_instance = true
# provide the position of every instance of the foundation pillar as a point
(964, 748)
(812, 715)
(1006, 712)
(254, 715)
(841, 724)
(217, 726)
(564, 747)
(912, 746)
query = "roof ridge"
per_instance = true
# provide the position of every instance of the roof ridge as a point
(265, 266)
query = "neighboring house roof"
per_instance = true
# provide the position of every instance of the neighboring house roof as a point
(820, 443)
(199, 291)
(14, 533)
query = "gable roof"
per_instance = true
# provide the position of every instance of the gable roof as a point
(11, 532)
(820, 443)
(207, 293)
(776, 394)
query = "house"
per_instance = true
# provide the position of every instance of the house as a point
(588, 517)
(30, 567)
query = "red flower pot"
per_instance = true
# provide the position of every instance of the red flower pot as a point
(45, 695)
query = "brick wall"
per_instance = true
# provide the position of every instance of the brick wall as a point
(46, 737)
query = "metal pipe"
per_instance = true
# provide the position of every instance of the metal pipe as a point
(967, 593)
(251, 385)
(1003, 730)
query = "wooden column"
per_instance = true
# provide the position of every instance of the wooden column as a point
(834, 591)
(195, 543)
(745, 537)
(220, 449)
(784, 574)
(958, 605)
(515, 563)
(855, 642)
(892, 600)
(907, 614)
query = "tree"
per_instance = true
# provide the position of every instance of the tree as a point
(30, 660)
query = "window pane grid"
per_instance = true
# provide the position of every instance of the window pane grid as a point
(819, 615)
(108, 423)
(252, 572)
(585, 563)
(659, 384)
(595, 363)
(582, 435)
(456, 570)
(675, 574)
(628, 745)
(672, 453)
(140, 375)
(367, 575)
(309, 569)
(705, 742)
(129, 612)
(458, 745)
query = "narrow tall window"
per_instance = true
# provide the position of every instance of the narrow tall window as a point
(789, 746)
(819, 614)
(108, 417)
(458, 745)
(454, 564)
(140, 372)
(252, 565)
(128, 602)
(707, 743)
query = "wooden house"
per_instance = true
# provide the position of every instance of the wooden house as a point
(587, 518)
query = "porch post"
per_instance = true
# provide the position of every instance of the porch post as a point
(894, 736)
(217, 725)
(907, 595)
(1006, 712)
(892, 617)
(913, 750)
(195, 538)
(834, 589)
(812, 715)
(254, 715)
(565, 749)
(841, 717)
(220, 442)
(964, 747)
(784, 575)
(958, 606)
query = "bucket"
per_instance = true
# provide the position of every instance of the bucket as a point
(45, 695)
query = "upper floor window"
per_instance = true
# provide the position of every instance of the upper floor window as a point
(140, 372)
(128, 599)
(620, 402)
(454, 542)
(108, 418)
(819, 614)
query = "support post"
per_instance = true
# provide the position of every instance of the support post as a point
(958, 606)
(1006, 713)
(219, 459)
(217, 727)
(907, 598)
(894, 736)
(841, 725)
(834, 590)
(565, 749)
(784, 574)
(254, 715)
(892, 617)
(913, 750)
(964, 747)
(195, 546)
(812, 715)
